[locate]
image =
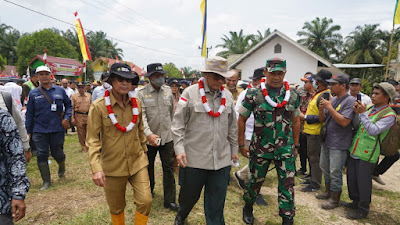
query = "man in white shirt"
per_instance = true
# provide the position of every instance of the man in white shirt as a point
(68, 90)
(355, 88)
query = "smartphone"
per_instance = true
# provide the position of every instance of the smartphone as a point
(326, 95)
(359, 97)
(158, 141)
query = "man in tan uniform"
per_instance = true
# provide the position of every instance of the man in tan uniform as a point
(80, 110)
(158, 108)
(231, 85)
(205, 136)
(115, 126)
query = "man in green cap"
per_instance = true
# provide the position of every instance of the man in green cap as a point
(275, 138)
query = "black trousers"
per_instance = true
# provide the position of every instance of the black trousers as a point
(385, 164)
(359, 182)
(167, 156)
(303, 152)
(192, 181)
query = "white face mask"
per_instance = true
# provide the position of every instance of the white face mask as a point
(314, 84)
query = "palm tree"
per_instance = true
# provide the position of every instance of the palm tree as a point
(8, 45)
(321, 37)
(97, 43)
(112, 50)
(72, 37)
(362, 45)
(260, 36)
(237, 43)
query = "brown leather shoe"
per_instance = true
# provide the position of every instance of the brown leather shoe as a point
(333, 201)
(326, 194)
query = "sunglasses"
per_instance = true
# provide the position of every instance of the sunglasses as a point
(122, 79)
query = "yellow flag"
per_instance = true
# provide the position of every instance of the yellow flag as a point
(203, 7)
(396, 18)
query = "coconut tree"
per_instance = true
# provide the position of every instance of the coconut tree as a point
(321, 36)
(8, 45)
(112, 50)
(260, 36)
(362, 45)
(236, 43)
(97, 43)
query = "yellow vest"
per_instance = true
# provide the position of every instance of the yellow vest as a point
(312, 109)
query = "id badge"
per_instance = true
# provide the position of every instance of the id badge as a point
(54, 107)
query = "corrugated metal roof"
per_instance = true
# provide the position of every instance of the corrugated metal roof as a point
(355, 66)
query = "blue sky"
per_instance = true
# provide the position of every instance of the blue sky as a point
(174, 26)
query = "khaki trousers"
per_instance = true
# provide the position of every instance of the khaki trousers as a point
(116, 187)
(81, 126)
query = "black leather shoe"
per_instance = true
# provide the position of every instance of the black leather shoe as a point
(356, 214)
(287, 221)
(179, 220)
(261, 201)
(350, 205)
(248, 217)
(172, 206)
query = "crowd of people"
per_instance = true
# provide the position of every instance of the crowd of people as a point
(198, 128)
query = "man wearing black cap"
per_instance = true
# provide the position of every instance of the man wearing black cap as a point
(117, 146)
(355, 88)
(337, 113)
(158, 107)
(312, 127)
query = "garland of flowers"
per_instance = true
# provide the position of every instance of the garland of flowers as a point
(269, 100)
(135, 112)
(204, 100)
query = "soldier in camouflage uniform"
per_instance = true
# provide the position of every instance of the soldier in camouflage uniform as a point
(275, 139)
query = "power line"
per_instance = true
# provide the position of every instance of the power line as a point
(117, 14)
(117, 39)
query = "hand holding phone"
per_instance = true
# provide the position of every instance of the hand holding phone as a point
(358, 97)
(326, 96)
(158, 141)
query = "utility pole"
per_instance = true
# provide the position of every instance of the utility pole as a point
(207, 49)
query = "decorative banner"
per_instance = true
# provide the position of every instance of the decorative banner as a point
(108, 65)
(116, 59)
(396, 18)
(82, 39)
(203, 7)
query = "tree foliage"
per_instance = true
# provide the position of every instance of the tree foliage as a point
(99, 46)
(236, 43)
(321, 37)
(34, 44)
(172, 70)
(3, 62)
(8, 43)
(362, 45)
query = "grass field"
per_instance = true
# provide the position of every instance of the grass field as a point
(75, 200)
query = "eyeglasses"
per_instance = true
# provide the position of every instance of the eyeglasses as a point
(80, 87)
(217, 77)
(122, 79)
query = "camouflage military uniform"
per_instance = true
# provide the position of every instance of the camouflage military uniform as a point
(272, 140)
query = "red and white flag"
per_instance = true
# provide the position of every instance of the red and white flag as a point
(84, 66)
(108, 65)
(183, 74)
(116, 59)
(45, 56)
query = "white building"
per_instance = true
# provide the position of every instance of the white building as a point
(299, 59)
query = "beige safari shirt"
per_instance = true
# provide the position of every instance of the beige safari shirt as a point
(208, 142)
(122, 153)
(235, 93)
(158, 107)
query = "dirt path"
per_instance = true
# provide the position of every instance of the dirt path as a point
(337, 216)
